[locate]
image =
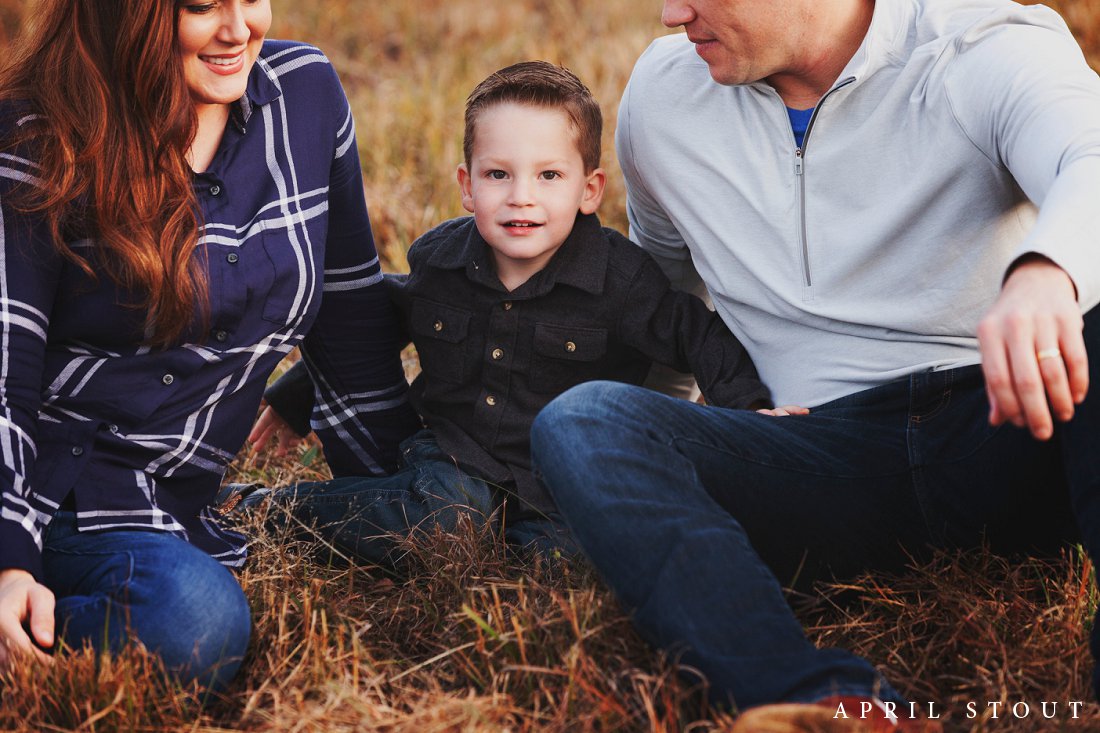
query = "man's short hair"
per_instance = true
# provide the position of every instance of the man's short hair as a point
(540, 84)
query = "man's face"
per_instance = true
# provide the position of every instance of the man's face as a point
(742, 41)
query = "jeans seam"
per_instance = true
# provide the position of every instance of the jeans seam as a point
(679, 439)
(116, 592)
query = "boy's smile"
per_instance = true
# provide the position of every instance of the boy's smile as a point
(525, 185)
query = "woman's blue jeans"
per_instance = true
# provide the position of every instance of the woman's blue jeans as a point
(697, 516)
(116, 586)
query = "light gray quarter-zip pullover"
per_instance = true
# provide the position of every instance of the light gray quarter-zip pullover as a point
(962, 134)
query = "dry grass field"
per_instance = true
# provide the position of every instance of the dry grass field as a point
(472, 639)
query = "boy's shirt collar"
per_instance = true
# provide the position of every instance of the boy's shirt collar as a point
(581, 261)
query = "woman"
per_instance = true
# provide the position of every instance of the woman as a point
(175, 194)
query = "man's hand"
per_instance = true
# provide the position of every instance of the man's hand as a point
(1033, 350)
(785, 410)
(269, 425)
(24, 601)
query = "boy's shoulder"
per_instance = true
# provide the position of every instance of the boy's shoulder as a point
(444, 246)
(625, 258)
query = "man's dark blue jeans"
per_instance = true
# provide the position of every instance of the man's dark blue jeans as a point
(698, 516)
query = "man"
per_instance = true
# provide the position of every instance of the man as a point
(893, 206)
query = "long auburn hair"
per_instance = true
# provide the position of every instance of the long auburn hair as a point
(115, 123)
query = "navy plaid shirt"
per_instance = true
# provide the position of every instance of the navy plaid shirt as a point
(141, 438)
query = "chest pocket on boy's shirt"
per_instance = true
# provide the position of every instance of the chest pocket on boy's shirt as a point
(440, 333)
(565, 356)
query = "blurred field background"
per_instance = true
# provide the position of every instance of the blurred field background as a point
(472, 639)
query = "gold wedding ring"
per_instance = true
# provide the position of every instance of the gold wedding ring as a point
(1052, 353)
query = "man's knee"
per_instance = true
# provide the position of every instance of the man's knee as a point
(589, 409)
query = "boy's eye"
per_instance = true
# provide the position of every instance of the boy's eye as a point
(496, 175)
(549, 175)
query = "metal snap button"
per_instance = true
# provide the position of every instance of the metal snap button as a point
(491, 401)
(507, 305)
(438, 325)
(215, 190)
(498, 354)
(220, 335)
(232, 258)
(570, 346)
(167, 379)
(77, 450)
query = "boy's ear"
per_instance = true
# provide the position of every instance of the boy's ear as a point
(466, 184)
(593, 191)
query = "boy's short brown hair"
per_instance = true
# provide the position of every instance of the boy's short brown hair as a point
(540, 84)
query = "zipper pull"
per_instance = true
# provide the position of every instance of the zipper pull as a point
(798, 161)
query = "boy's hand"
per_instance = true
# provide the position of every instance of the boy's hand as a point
(269, 425)
(785, 410)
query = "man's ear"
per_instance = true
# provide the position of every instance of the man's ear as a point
(466, 184)
(593, 191)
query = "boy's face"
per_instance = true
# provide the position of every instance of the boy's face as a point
(525, 184)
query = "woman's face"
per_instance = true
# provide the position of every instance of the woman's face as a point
(219, 41)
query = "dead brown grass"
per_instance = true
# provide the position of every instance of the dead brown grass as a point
(474, 639)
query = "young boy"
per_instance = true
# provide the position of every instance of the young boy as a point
(508, 309)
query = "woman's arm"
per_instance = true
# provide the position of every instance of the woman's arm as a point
(353, 349)
(29, 269)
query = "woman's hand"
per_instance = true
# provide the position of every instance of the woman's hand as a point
(786, 410)
(24, 601)
(269, 425)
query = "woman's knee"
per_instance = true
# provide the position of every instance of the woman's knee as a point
(192, 612)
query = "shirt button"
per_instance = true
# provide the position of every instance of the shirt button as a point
(491, 401)
(220, 335)
(507, 305)
(438, 325)
(215, 190)
(167, 379)
(113, 429)
(570, 346)
(498, 354)
(232, 258)
(77, 450)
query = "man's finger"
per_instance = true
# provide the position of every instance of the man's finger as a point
(1030, 389)
(1056, 382)
(1076, 361)
(998, 378)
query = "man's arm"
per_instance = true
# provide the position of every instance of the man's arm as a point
(653, 231)
(1025, 96)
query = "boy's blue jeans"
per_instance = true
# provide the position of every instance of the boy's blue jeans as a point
(120, 585)
(365, 517)
(697, 516)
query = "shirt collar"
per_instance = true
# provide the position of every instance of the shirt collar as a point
(581, 261)
(261, 89)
